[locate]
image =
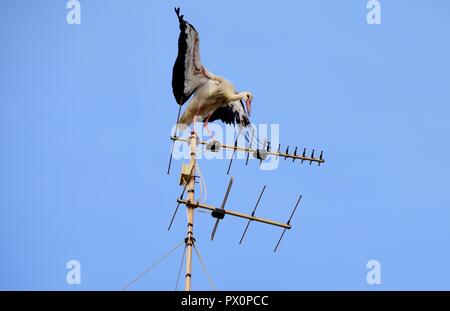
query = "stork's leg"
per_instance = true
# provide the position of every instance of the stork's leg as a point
(206, 126)
(194, 119)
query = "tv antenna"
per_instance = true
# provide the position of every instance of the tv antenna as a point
(188, 180)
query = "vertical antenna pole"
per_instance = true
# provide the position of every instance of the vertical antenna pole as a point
(190, 213)
(173, 142)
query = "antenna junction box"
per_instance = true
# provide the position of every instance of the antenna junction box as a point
(185, 172)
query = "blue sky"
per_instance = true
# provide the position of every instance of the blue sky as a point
(85, 117)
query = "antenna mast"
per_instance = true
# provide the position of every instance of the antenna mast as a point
(190, 240)
(188, 179)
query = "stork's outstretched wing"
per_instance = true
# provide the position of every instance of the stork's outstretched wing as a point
(188, 71)
(235, 113)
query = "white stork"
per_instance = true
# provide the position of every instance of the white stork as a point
(213, 97)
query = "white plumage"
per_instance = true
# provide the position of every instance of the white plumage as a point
(211, 97)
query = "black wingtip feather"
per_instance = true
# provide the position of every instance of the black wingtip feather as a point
(180, 17)
(178, 68)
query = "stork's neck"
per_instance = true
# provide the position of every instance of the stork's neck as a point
(238, 96)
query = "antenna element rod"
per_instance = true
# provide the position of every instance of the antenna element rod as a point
(253, 214)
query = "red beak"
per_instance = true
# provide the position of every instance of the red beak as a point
(249, 106)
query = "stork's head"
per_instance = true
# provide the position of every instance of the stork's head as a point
(248, 97)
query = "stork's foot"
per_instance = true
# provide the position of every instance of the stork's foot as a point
(193, 126)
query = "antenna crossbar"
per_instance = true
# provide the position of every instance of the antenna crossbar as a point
(285, 155)
(236, 214)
